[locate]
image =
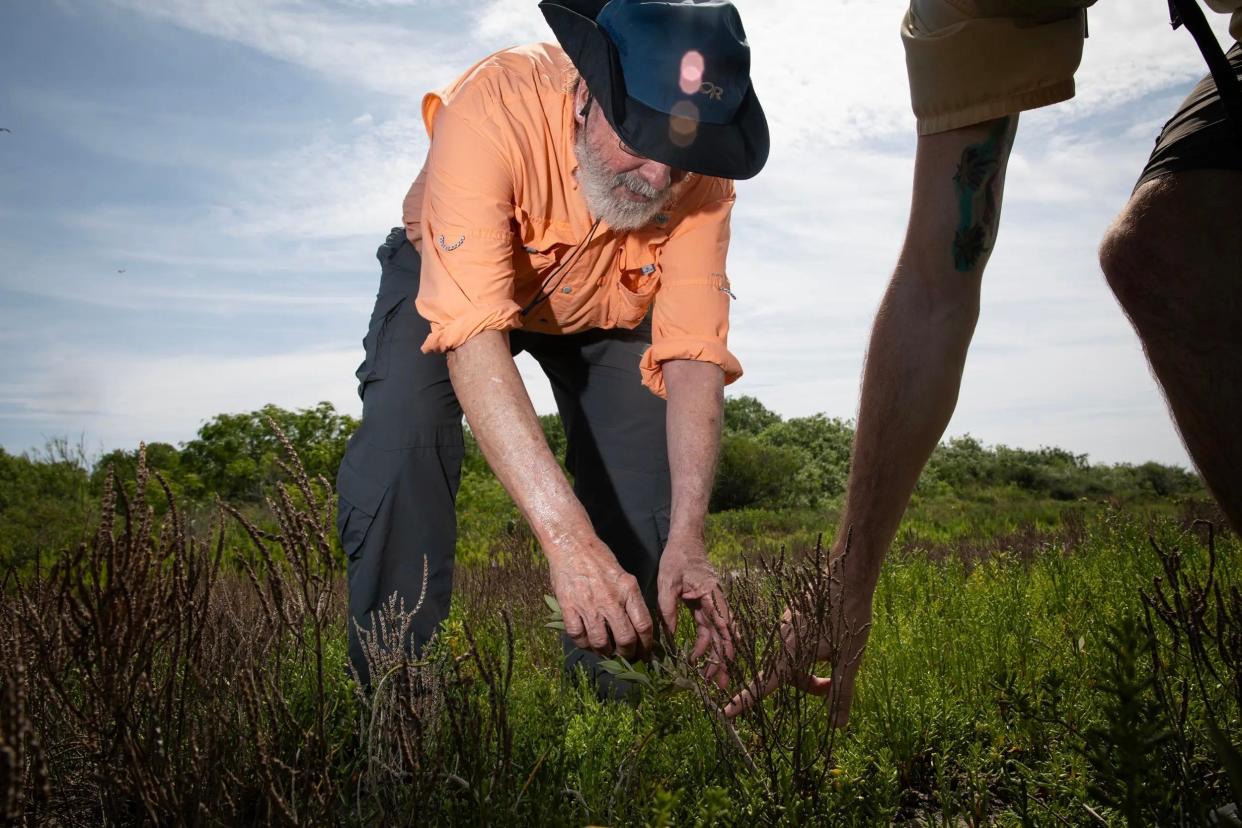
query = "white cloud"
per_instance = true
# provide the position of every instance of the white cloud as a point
(125, 397)
(424, 48)
(816, 235)
(501, 23)
(328, 188)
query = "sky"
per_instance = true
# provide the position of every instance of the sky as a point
(192, 191)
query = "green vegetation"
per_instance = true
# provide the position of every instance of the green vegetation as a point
(1053, 643)
(769, 467)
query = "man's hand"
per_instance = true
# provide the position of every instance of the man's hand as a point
(603, 608)
(686, 575)
(804, 643)
(601, 604)
(695, 415)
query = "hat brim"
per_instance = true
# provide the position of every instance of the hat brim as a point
(736, 150)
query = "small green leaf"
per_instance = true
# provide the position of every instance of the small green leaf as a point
(630, 675)
(552, 603)
(613, 667)
(556, 625)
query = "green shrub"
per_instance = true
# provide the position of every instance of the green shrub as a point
(44, 502)
(234, 455)
(752, 474)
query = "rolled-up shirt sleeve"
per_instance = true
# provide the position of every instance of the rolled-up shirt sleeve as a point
(467, 279)
(690, 319)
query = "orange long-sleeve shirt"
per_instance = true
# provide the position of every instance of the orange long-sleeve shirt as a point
(496, 211)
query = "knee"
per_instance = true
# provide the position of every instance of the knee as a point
(1120, 259)
(1135, 271)
(1136, 257)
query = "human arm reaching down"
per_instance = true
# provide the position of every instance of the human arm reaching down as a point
(911, 379)
(602, 605)
(695, 415)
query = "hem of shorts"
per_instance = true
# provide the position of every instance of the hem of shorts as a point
(989, 110)
(1164, 170)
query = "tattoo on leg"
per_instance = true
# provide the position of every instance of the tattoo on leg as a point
(976, 182)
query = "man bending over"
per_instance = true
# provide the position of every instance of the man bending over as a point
(575, 205)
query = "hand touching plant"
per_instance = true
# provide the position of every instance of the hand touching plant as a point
(686, 576)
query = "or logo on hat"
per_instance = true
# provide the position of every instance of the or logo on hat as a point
(449, 248)
(711, 90)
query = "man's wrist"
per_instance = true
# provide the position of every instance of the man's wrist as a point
(564, 545)
(688, 538)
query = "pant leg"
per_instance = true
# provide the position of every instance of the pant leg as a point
(399, 477)
(617, 453)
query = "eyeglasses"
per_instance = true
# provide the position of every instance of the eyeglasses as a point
(625, 149)
(621, 145)
(676, 174)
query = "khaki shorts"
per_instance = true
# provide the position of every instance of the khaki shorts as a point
(974, 60)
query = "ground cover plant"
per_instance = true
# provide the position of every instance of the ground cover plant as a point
(1032, 661)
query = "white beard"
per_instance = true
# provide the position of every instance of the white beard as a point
(598, 182)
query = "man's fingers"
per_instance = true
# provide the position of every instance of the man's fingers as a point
(624, 636)
(721, 648)
(575, 628)
(812, 684)
(640, 618)
(746, 700)
(716, 670)
(668, 594)
(701, 643)
(597, 636)
(710, 620)
(716, 608)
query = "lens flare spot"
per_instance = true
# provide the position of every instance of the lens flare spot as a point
(691, 72)
(683, 123)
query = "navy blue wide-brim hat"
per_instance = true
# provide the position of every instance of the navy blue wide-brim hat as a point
(672, 78)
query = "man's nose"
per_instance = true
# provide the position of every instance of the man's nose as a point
(656, 174)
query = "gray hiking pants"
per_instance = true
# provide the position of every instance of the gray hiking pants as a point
(398, 480)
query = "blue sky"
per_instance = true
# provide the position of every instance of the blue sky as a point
(192, 192)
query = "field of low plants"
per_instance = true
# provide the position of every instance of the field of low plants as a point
(1053, 643)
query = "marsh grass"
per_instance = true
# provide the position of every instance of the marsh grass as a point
(1045, 664)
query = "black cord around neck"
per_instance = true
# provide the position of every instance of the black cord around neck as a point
(561, 270)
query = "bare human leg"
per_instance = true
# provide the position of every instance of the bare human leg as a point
(1174, 260)
(910, 385)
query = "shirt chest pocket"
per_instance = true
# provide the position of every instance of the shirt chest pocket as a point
(638, 280)
(536, 262)
(551, 256)
(543, 269)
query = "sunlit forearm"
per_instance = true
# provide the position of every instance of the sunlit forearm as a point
(501, 416)
(695, 415)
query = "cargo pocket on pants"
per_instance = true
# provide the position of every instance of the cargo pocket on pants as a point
(359, 503)
(374, 364)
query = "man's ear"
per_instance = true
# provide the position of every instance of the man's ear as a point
(582, 102)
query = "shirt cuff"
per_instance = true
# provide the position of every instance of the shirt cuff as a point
(700, 350)
(459, 331)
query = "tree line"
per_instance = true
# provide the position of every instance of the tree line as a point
(766, 462)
